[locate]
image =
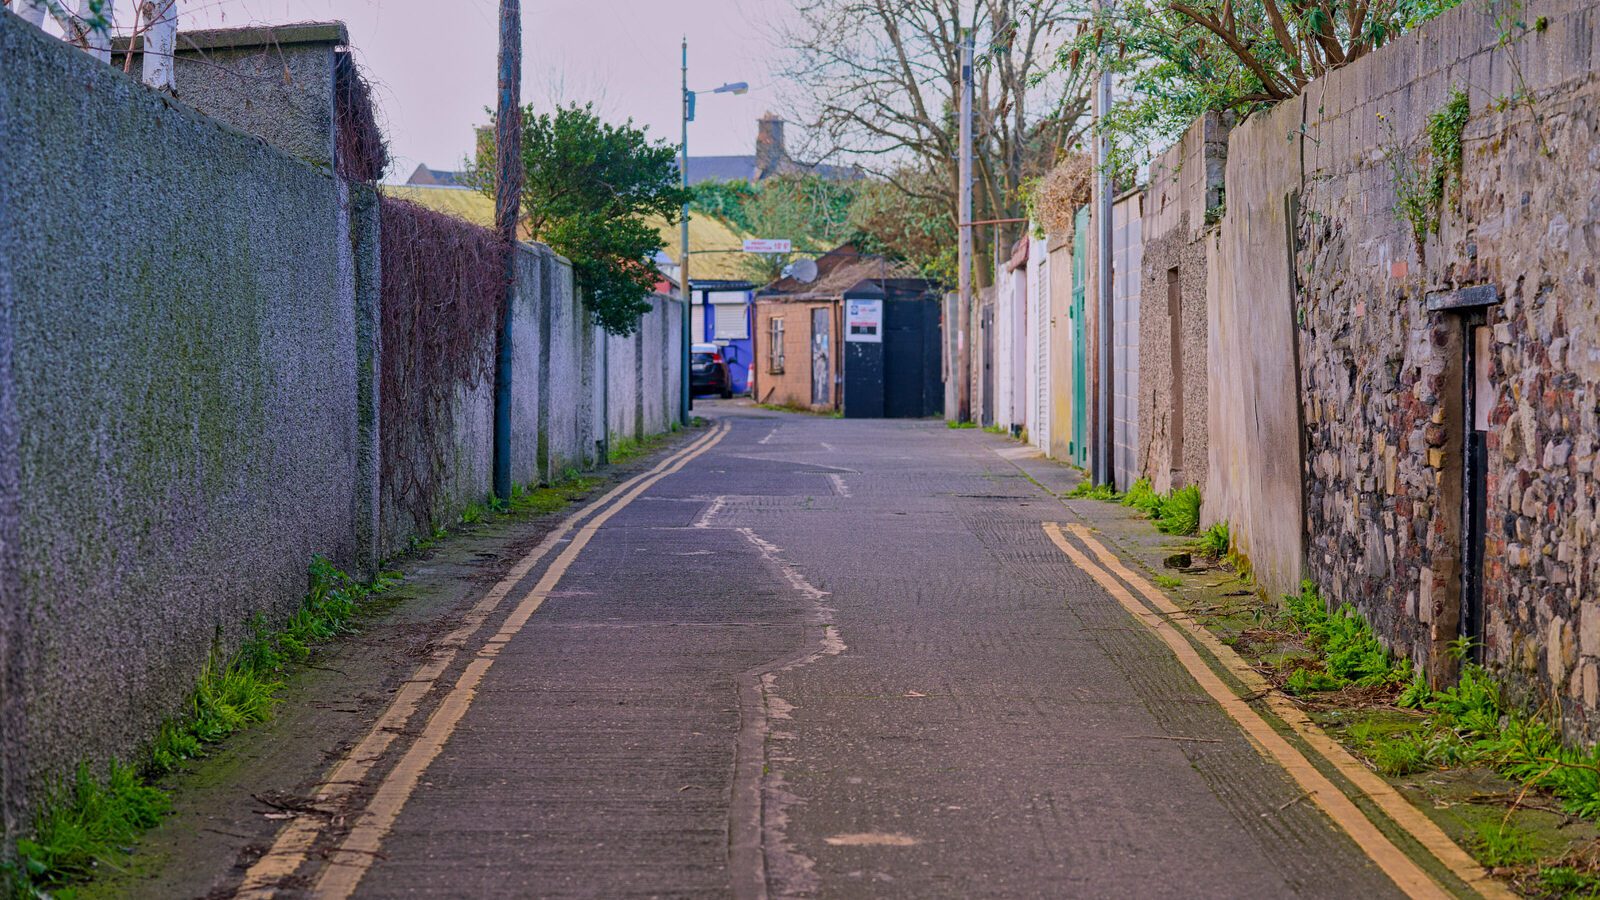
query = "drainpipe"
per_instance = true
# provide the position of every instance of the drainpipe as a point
(605, 393)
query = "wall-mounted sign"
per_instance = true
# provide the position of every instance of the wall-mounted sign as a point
(863, 321)
(767, 245)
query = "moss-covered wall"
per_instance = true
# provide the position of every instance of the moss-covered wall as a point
(178, 429)
(191, 382)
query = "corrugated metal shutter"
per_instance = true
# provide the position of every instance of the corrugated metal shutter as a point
(697, 324)
(1127, 259)
(1039, 299)
(731, 322)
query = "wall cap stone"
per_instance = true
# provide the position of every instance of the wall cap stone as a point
(253, 36)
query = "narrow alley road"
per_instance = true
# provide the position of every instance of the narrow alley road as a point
(819, 657)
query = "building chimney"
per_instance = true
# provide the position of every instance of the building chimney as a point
(770, 153)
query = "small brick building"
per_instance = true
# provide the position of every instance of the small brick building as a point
(799, 358)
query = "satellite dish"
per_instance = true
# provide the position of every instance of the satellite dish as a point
(803, 270)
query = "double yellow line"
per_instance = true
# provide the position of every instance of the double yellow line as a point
(1181, 634)
(349, 862)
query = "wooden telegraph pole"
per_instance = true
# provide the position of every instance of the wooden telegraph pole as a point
(507, 207)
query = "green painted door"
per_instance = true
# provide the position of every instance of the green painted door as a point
(1078, 446)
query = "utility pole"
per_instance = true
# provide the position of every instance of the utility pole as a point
(1102, 470)
(685, 402)
(507, 209)
(964, 223)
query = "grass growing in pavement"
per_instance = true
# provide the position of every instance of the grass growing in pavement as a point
(802, 408)
(1498, 844)
(88, 823)
(1179, 512)
(1170, 582)
(550, 498)
(624, 450)
(80, 825)
(1466, 725)
(1086, 490)
(1142, 497)
(1216, 541)
(961, 424)
(1349, 650)
(1175, 512)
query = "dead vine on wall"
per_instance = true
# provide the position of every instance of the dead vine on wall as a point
(443, 285)
(362, 153)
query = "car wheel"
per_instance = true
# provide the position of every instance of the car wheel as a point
(727, 394)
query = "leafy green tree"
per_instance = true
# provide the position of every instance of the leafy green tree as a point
(591, 188)
(1175, 60)
(724, 200)
(812, 213)
(905, 217)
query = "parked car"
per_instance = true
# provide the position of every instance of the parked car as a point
(708, 371)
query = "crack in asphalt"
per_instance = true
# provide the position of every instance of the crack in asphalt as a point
(758, 818)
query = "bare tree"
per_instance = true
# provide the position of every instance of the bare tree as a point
(880, 81)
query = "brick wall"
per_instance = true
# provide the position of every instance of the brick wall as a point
(792, 386)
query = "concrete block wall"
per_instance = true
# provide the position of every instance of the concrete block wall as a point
(642, 372)
(622, 364)
(535, 263)
(565, 371)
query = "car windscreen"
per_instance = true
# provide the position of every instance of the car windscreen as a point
(703, 359)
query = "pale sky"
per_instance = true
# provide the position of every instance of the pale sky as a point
(432, 64)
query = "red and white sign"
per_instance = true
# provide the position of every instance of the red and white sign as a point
(767, 245)
(863, 321)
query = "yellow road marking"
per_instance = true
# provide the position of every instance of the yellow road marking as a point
(360, 847)
(289, 850)
(1400, 868)
(1392, 802)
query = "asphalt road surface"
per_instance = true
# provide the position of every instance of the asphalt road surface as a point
(841, 658)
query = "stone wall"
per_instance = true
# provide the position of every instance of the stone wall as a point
(178, 399)
(1384, 377)
(1183, 194)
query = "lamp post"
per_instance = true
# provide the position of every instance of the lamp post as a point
(687, 108)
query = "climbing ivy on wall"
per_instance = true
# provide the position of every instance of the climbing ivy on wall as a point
(1420, 192)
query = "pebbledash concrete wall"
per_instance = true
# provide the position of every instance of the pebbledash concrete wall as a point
(178, 372)
(1383, 375)
(640, 370)
(189, 375)
(1183, 193)
(561, 379)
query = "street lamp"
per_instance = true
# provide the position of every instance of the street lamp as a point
(687, 108)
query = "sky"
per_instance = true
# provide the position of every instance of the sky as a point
(432, 64)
